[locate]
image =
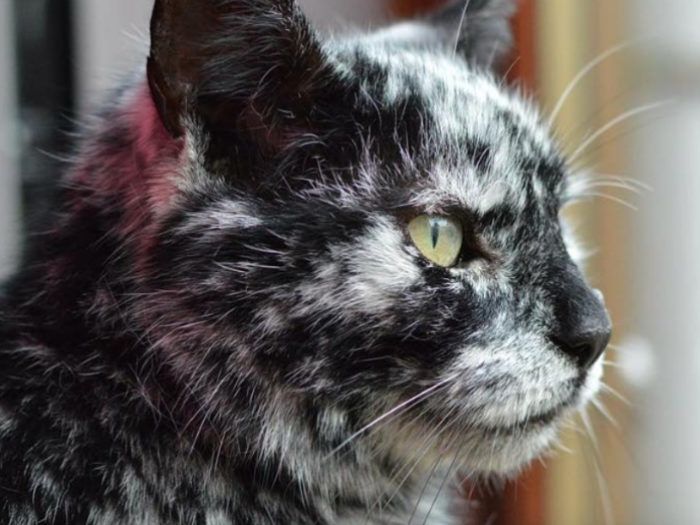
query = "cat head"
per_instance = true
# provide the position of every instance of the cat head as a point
(364, 236)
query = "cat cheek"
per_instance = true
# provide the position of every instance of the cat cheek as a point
(381, 269)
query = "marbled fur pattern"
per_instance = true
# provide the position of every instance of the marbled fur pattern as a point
(216, 313)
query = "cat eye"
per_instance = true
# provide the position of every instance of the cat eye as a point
(438, 238)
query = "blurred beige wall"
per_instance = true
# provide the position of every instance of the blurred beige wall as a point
(664, 245)
(645, 468)
(590, 475)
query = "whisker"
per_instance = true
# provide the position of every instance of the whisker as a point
(594, 460)
(374, 453)
(604, 490)
(616, 136)
(627, 180)
(396, 410)
(425, 487)
(508, 71)
(462, 21)
(579, 183)
(413, 465)
(612, 184)
(613, 198)
(448, 474)
(563, 447)
(441, 427)
(588, 425)
(604, 412)
(612, 364)
(581, 75)
(607, 388)
(614, 122)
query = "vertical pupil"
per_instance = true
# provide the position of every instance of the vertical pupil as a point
(434, 232)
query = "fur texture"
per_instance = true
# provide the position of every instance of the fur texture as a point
(226, 321)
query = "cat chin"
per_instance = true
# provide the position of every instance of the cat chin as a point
(481, 452)
(505, 451)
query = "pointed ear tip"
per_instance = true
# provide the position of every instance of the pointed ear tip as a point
(510, 6)
(453, 11)
(501, 7)
(156, 25)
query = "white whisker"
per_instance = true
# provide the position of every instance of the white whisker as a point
(612, 198)
(588, 425)
(581, 75)
(448, 474)
(614, 122)
(604, 412)
(593, 459)
(424, 449)
(612, 364)
(460, 26)
(607, 388)
(425, 487)
(605, 501)
(397, 409)
(627, 180)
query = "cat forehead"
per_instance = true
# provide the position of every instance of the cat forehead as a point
(464, 99)
(481, 145)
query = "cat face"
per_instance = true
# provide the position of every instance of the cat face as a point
(364, 236)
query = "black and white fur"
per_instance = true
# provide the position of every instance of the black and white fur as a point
(225, 321)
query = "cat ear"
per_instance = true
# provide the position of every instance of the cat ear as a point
(479, 30)
(483, 33)
(233, 63)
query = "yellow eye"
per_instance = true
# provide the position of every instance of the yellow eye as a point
(438, 238)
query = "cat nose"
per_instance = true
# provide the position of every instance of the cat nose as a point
(583, 329)
(584, 347)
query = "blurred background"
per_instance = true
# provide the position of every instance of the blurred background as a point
(633, 120)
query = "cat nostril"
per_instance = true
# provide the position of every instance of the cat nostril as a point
(585, 354)
(585, 350)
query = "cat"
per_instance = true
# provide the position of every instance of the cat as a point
(296, 279)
